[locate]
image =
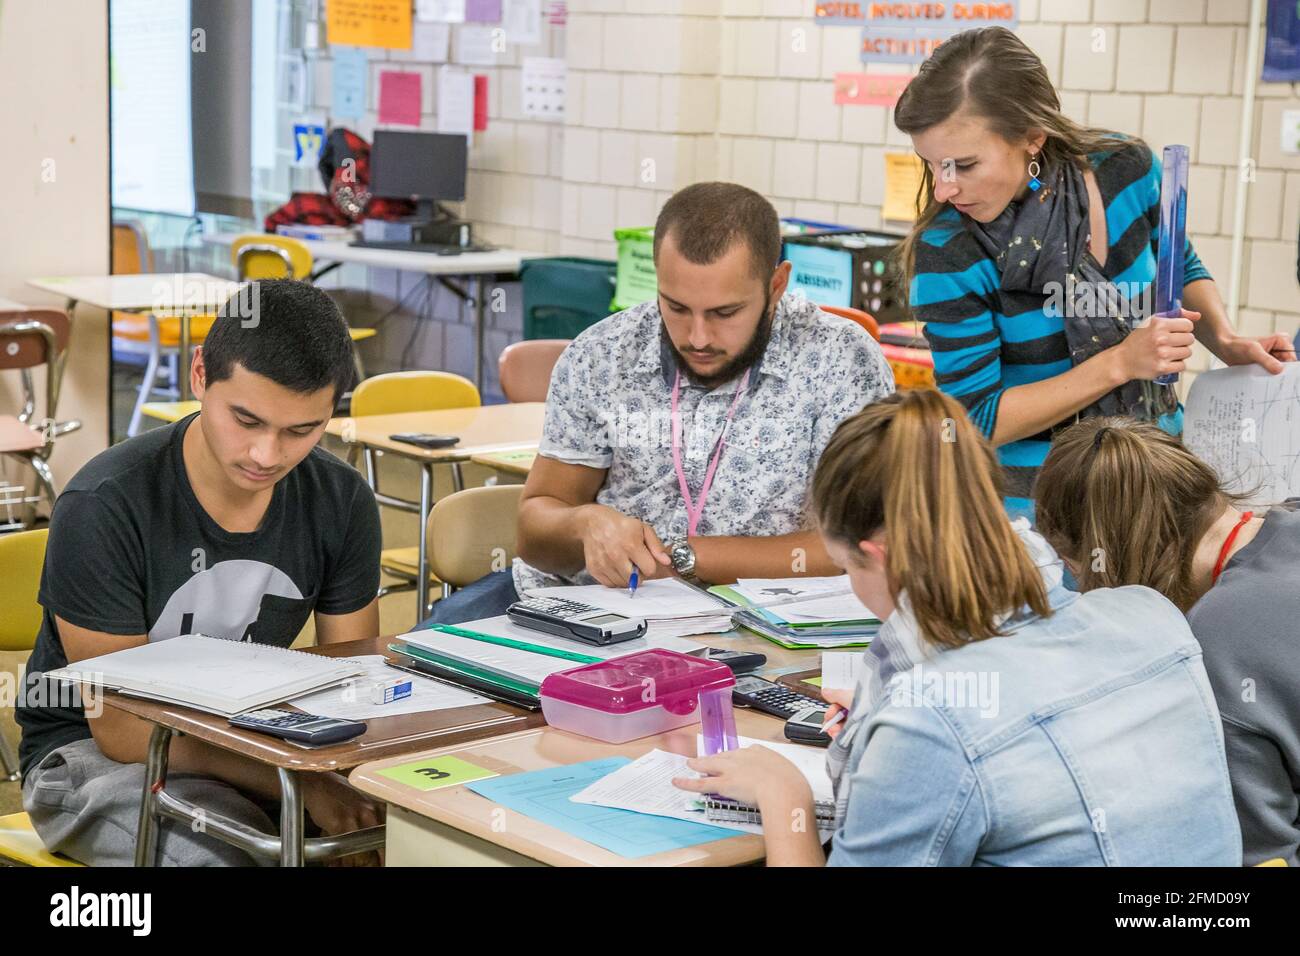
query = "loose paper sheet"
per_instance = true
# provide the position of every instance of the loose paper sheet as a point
(351, 700)
(841, 669)
(1245, 424)
(399, 98)
(381, 23)
(902, 180)
(543, 82)
(455, 101)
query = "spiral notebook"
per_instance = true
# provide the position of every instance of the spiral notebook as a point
(221, 677)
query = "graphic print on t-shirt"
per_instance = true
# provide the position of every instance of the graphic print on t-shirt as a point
(223, 601)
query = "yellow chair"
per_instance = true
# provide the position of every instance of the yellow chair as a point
(21, 557)
(390, 394)
(263, 255)
(20, 845)
(170, 411)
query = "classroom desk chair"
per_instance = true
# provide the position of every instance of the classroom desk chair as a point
(864, 319)
(263, 255)
(525, 368)
(472, 533)
(389, 394)
(21, 557)
(30, 338)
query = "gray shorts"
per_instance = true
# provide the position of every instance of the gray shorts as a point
(87, 807)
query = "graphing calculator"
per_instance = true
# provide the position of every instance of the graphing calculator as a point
(307, 729)
(770, 698)
(573, 619)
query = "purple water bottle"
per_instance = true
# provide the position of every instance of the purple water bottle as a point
(1172, 238)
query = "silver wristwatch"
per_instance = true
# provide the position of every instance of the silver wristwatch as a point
(683, 558)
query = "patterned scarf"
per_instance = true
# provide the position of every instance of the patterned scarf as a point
(899, 647)
(1040, 245)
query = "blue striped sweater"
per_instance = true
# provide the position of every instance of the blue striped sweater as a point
(985, 340)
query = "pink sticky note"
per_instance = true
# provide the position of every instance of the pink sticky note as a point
(869, 89)
(399, 98)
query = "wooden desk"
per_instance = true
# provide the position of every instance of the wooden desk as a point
(479, 266)
(454, 827)
(384, 737)
(457, 827)
(482, 430)
(183, 294)
(518, 462)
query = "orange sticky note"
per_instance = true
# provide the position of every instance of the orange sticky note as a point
(380, 23)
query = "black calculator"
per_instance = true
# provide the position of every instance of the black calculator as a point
(309, 729)
(770, 698)
(575, 620)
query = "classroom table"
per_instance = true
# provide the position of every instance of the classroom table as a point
(479, 266)
(384, 737)
(181, 293)
(9, 305)
(456, 827)
(517, 463)
(481, 430)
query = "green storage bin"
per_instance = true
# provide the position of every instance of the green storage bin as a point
(564, 295)
(636, 267)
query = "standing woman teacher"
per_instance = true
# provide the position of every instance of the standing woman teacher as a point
(1036, 247)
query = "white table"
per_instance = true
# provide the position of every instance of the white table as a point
(180, 293)
(9, 305)
(476, 265)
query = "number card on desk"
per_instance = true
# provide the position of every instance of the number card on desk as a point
(434, 773)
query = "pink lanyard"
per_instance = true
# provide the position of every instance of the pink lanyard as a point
(696, 508)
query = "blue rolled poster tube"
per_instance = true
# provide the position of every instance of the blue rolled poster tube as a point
(1172, 237)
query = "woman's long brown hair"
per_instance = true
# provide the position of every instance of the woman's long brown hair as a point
(914, 465)
(1126, 503)
(990, 73)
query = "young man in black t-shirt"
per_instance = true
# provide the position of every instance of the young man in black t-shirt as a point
(230, 523)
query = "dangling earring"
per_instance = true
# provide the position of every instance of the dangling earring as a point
(1034, 170)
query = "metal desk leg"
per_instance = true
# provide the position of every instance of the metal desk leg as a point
(155, 775)
(183, 359)
(480, 290)
(291, 819)
(422, 565)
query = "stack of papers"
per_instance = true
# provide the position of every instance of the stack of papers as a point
(515, 657)
(646, 785)
(671, 608)
(802, 612)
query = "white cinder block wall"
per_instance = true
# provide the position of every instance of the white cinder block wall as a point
(663, 93)
(741, 90)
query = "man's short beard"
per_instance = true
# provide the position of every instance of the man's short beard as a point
(748, 357)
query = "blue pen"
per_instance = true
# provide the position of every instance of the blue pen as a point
(631, 583)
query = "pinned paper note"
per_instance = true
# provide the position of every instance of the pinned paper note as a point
(434, 773)
(479, 45)
(440, 11)
(350, 67)
(869, 89)
(381, 23)
(455, 101)
(399, 98)
(480, 103)
(430, 42)
(308, 138)
(543, 83)
(482, 11)
(522, 20)
(902, 182)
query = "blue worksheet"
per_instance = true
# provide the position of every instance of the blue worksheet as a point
(544, 795)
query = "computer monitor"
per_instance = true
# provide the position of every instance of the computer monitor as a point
(423, 167)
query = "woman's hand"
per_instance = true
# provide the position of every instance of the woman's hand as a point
(1267, 351)
(754, 775)
(839, 698)
(1159, 346)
